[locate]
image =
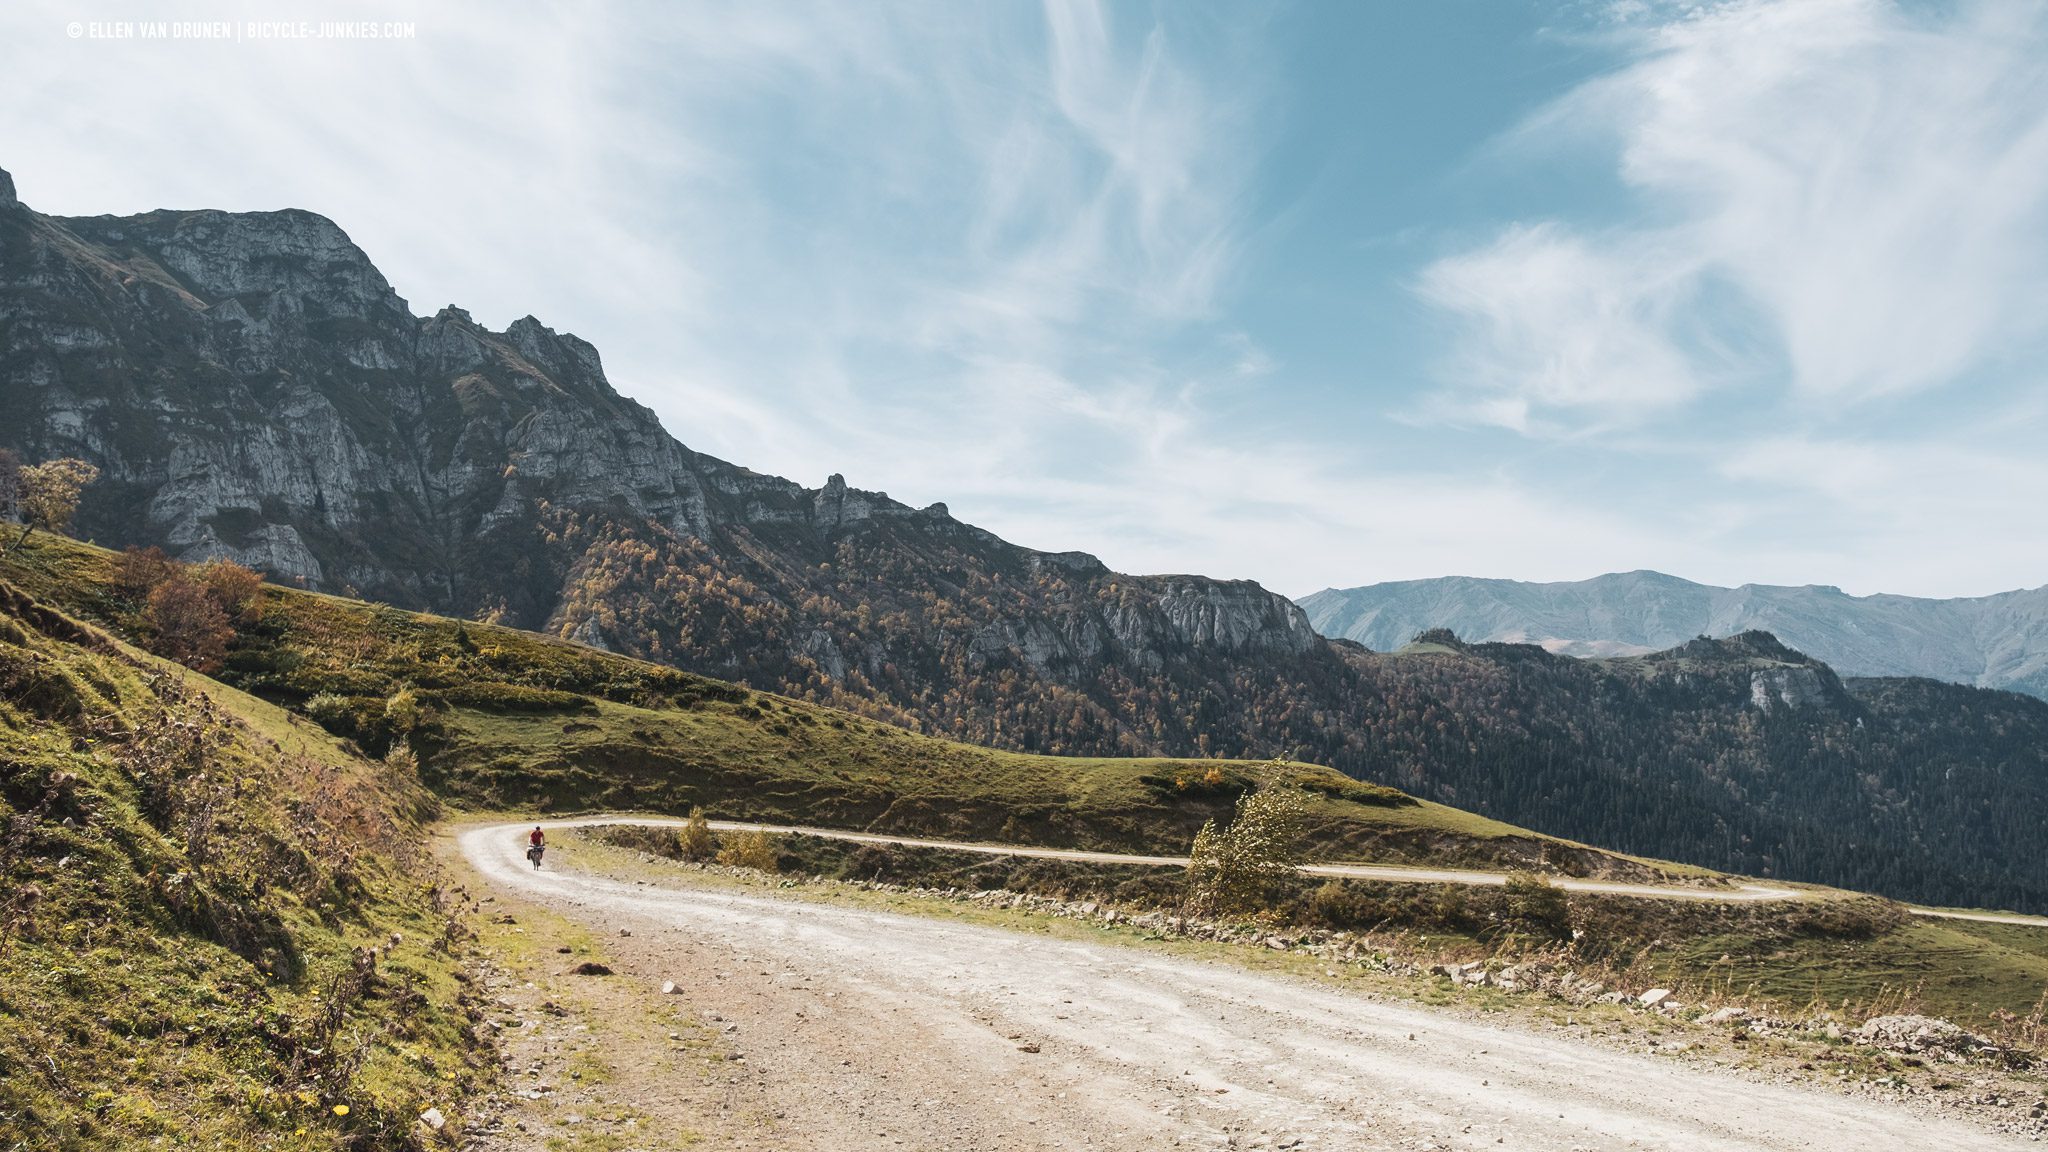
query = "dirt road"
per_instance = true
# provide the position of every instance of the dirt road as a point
(878, 1031)
(1396, 873)
(1741, 891)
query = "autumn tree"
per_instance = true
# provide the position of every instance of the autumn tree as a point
(403, 711)
(187, 625)
(48, 495)
(1239, 868)
(140, 570)
(235, 588)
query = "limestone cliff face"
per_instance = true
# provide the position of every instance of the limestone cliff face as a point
(1793, 688)
(253, 388)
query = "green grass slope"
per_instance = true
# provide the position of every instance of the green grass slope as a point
(1984, 976)
(212, 933)
(504, 719)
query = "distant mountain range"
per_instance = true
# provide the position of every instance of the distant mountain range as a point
(1988, 641)
(252, 387)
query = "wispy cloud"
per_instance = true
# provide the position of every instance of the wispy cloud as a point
(1020, 310)
(1568, 327)
(1852, 194)
(906, 241)
(1924, 508)
(1001, 255)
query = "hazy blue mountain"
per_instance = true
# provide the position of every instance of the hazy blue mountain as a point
(1990, 641)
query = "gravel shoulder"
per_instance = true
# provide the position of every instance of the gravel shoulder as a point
(852, 1028)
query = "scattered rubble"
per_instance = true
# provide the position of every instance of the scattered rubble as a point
(1926, 1036)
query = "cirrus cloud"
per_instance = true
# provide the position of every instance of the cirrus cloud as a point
(1838, 198)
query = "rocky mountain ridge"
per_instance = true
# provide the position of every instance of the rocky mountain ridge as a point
(1998, 641)
(252, 387)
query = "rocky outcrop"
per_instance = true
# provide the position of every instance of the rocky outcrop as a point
(1238, 616)
(1787, 687)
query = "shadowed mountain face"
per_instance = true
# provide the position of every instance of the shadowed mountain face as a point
(1990, 641)
(253, 388)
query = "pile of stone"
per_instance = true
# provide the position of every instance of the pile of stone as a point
(1525, 976)
(1925, 1036)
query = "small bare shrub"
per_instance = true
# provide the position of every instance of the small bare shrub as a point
(1535, 907)
(754, 850)
(140, 570)
(695, 842)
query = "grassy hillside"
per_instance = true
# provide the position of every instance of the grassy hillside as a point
(213, 927)
(506, 719)
(502, 719)
(1981, 975)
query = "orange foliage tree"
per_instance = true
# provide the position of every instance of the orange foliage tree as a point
(188, 624)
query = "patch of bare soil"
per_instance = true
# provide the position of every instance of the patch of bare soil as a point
(595, 1058)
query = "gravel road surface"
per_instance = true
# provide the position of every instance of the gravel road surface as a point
(884, 1031)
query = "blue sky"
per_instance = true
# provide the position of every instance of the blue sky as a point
(1316, 294)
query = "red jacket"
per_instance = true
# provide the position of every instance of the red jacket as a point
(536, 839)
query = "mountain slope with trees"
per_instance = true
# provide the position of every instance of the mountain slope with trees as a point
(251, 388)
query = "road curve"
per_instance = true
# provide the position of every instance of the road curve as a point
(1741, 891)
(1395, 873)
(1980, 917)
(887, 1031)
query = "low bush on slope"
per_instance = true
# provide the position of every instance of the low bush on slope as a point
(213, 932)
